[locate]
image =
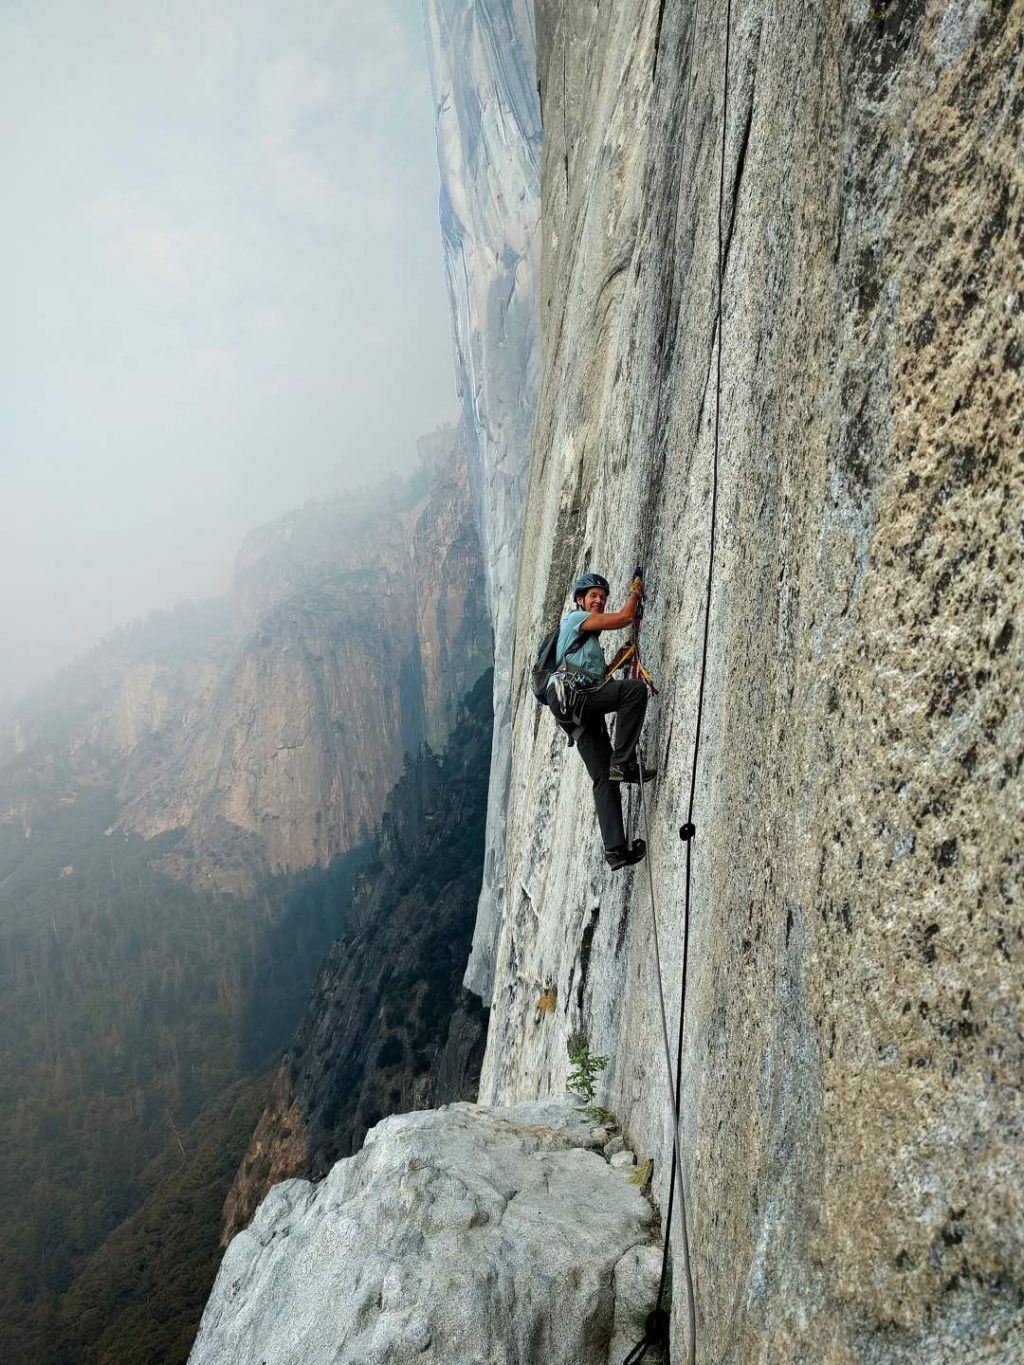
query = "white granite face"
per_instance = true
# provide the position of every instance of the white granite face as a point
(483, 71)
(852, 1062)
(462, 1236)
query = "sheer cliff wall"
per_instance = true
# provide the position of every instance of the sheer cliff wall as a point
(487, 116)
(852, 1053)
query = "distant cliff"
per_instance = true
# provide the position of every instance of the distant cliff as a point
(388, 1027)
(270, 726)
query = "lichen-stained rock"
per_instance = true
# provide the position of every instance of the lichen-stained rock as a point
(456, 1236)
(852, 1108)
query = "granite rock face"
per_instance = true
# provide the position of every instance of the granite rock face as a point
(487, 115)
(852, 1107)
(463, 1234)
(341, 669)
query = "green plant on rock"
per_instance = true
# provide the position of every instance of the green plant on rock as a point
(606, 1117)
(584, 1068)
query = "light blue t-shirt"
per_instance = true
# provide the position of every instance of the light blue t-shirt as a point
(590, 656)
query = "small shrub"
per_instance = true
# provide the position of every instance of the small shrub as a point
(606, 1117)
(641, 1174)
(583, 1072)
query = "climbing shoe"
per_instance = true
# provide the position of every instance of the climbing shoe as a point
(625, 857)
(630, 772)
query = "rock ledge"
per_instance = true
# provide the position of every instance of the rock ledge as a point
(464, 1234)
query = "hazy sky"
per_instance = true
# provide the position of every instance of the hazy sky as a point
(222, 290)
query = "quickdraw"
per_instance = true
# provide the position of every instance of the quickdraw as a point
(629, 654)
(630, 651)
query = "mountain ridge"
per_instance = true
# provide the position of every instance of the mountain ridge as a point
(245, 720)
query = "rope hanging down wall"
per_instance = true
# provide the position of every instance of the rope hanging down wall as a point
(656, 1327)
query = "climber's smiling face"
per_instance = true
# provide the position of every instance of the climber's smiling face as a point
(593, 600)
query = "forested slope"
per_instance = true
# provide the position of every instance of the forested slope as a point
(129, 1001)
(138, 1299)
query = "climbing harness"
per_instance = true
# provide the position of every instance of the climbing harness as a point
(687, 831)
(568, 691)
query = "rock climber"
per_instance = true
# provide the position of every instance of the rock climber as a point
(581, 694)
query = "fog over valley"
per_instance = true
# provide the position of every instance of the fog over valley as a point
(223, 293)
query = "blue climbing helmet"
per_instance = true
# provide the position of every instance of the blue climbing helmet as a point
(589, 580)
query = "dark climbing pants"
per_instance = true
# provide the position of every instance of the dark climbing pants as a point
(628, 700)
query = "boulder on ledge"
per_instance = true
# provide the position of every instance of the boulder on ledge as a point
(461, 1235)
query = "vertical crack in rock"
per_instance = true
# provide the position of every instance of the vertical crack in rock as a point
(586, 946)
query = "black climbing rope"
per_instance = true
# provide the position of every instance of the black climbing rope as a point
(656, 1327)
